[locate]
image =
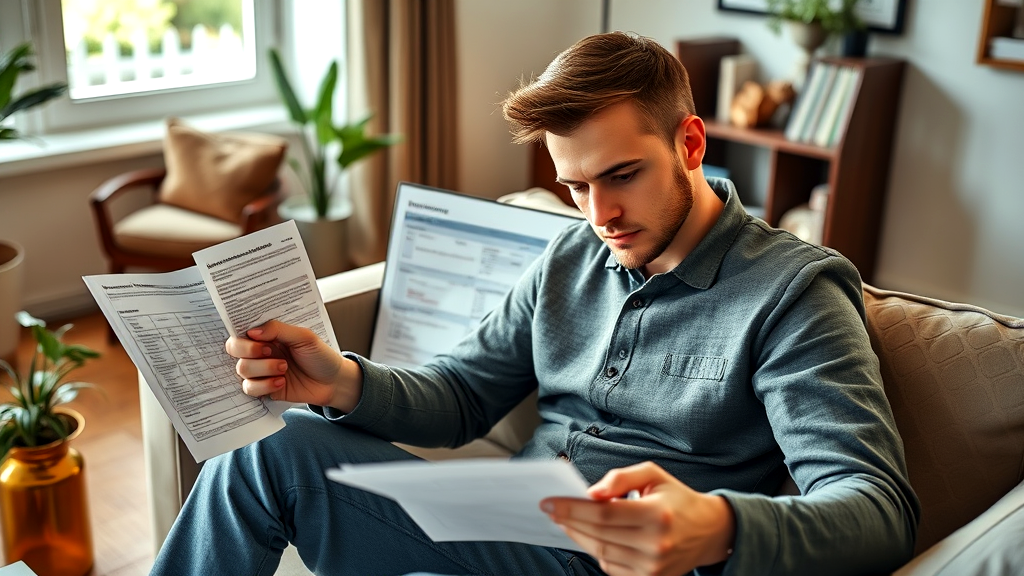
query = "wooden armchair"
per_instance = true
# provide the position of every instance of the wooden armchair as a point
(162, 236)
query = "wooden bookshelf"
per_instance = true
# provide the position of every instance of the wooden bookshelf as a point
(998, 20)
(856, 168)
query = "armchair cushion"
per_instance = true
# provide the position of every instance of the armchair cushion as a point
(171, 231)
(218, 174)
(954, 375)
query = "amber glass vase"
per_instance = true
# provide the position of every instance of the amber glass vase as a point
(43, 507)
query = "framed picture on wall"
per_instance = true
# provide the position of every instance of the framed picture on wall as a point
(885, 16)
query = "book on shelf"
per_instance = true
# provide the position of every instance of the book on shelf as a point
(733, 72)
(821, 97)
(798, 118)
(830, 114)
(1005, 48)
(849, 97)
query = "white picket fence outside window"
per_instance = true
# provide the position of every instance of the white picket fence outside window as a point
(220, 58)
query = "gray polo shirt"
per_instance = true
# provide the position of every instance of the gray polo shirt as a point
(748, 359)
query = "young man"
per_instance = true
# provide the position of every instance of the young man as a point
(681, 348)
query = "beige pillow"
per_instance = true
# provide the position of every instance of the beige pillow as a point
(218, 174)
(954, 374)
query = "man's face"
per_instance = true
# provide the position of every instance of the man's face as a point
(630, 184)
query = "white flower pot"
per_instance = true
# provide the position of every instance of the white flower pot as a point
(807, 37)
(12, 258)
(325, 239)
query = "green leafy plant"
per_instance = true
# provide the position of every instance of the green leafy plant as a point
(31, 419)
(834, 16)
(12, 65)
(318, 132)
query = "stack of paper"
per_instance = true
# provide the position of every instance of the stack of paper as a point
(1005, 48)
(478, 499)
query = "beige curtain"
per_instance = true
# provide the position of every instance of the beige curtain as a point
(401, 67)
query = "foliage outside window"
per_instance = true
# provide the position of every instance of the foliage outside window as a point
(125, 46)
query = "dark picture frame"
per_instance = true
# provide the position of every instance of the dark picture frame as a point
(883, 16)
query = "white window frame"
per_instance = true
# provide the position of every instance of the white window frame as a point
(43, 21)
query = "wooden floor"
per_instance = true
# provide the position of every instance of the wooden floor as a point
(111, 445)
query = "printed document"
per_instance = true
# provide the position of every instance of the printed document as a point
(475, 499)
(173, 326)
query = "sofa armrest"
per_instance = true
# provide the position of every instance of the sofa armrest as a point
(989, 545)
(351, 302)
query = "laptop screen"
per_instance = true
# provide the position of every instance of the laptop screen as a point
(451, 259)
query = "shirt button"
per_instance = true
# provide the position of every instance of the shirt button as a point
(638, 303)
(563, 456)
(611, 372)
(593, 431)
(623, 354)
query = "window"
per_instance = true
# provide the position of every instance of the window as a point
(133, 60)
(118, 47)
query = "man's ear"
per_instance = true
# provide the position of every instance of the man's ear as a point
(691, 141)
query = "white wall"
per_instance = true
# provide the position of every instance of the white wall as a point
(499, 43)
(49, 215)
(954, 219)
(954, 222)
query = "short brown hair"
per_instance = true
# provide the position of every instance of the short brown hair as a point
(595, 73)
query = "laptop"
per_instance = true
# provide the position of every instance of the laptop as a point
(451, 259)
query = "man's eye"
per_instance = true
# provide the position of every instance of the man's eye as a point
(624, 177)
(577, 188)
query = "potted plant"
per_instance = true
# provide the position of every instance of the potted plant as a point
(320, 217)
(12, 65)
(810, 22)
(42, 483)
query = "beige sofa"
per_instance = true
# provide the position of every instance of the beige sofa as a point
(954, 375)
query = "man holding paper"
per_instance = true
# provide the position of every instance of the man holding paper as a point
(681, 348)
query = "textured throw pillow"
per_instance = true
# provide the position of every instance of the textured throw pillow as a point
(954, 375)
(218, 174)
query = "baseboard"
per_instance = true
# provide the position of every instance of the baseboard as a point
(55, 308)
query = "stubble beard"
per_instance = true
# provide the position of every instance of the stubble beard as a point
(666, 227)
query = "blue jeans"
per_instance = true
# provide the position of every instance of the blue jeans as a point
(249, 504)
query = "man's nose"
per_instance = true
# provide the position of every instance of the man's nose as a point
(603, 206)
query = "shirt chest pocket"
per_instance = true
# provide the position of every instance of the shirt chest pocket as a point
(708, 369)
(686, 392)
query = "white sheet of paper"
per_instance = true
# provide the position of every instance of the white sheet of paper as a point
(263, 276)
(170, 329)
(174, 325)
(19, 568)
(477, 499)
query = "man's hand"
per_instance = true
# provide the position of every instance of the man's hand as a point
(291, 363)
(670, 530)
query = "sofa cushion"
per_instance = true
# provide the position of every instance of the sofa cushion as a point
(218, 174)
(540, 199)
(989, 545)
(954, 375)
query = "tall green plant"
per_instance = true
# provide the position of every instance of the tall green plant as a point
(12, 65)
(318, 132)
(30, 419)
(835, 16)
